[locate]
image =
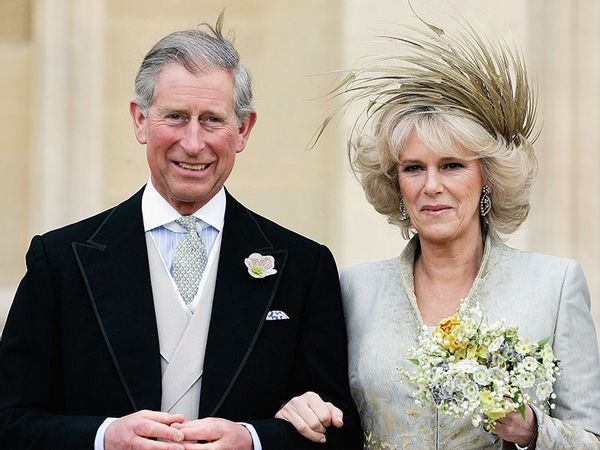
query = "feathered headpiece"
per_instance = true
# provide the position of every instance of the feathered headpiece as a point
(484, 82)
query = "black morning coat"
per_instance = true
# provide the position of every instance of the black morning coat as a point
(81, 343)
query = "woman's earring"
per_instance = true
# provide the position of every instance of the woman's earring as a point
(485, 202)
(403, 213)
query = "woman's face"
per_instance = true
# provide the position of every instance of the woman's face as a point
(441, 194)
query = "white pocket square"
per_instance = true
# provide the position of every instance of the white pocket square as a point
(277, 315)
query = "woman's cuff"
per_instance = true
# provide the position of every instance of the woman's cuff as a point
(531, 444)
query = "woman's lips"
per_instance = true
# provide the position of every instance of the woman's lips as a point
(435, 210)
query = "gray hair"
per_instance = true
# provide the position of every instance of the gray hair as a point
(196, 50)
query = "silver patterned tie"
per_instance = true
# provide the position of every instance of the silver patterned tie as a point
(189, 260)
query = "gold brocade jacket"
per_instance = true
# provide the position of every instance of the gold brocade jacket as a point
(541, 295)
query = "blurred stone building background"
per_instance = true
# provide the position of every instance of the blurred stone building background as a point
(67, 147)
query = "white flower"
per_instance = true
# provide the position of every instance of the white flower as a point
(496, 343)
(522, 347)
(481, 375)
(461, 381)
(498, 359)
(543, 391)
(468, 328)
(547, 354)
(526, 380)
(260, 266)
(466, 366)
(471, 391)
(498, 375)
(530, 363)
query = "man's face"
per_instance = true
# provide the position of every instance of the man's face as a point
(191, 134)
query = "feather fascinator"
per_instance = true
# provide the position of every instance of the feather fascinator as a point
(463, 74)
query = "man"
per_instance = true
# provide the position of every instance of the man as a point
(138, 327)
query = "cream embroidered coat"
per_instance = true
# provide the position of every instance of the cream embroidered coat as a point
(542, 295)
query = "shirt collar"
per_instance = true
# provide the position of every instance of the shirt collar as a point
(156, 211)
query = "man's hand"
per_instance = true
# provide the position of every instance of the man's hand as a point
(218, 434)
(513, 428)
(137, 431)
(311, 416)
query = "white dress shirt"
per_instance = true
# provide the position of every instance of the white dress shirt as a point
(159, 219)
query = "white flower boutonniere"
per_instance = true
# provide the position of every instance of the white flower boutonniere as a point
(260, 266)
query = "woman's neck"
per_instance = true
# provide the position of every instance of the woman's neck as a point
(443, 275)
(450, 261)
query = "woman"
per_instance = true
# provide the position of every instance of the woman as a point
(451, 161)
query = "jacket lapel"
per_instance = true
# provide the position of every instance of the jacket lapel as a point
(114, 266)
(240, 305)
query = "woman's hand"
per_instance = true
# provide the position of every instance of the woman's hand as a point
(311, 416)
(513, 428)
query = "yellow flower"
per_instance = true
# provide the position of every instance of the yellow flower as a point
(487, 340)
(497, 413)
(490, 408)
(448, 325)
(472, 352)
(482, 352)
(447, 330)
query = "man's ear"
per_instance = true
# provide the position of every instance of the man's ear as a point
(139, 121)
(244, 131)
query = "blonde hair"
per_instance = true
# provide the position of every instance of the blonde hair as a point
(463, 96)
(508, 168)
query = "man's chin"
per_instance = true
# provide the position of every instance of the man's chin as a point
(191, 201)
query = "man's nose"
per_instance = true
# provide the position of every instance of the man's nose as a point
(192, 141)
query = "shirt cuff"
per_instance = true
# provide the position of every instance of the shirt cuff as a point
(99, 441)
(256, 445)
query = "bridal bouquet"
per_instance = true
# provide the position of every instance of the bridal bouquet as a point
(469, 369)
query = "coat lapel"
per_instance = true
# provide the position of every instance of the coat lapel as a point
(114, 266)
(240, 305)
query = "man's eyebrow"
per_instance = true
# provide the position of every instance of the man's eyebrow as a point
(168, 108)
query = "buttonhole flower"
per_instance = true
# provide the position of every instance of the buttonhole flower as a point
(260, 266)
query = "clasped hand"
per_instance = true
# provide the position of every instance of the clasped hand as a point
(139, 431)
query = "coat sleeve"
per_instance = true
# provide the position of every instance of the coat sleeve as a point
(575, 420)
(30, 384)
(323, 366)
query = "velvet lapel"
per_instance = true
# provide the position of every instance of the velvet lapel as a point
(240, 305)
(114, 266)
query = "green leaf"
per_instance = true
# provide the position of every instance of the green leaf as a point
(543, 342)
(415, 361)
(522, 410)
